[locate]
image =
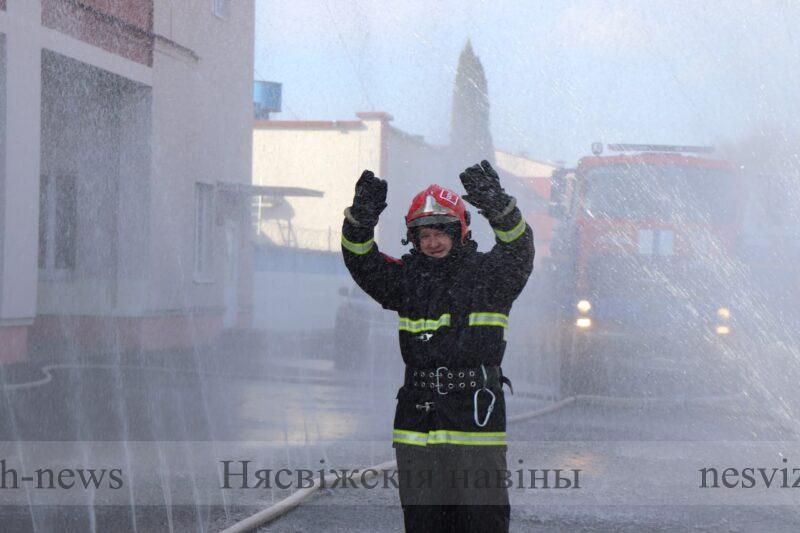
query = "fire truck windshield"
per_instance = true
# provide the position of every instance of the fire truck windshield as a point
(678, 193)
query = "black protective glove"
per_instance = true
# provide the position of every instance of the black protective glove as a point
(369, 200)
(484, 190)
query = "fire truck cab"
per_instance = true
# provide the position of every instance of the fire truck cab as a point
(642, 246)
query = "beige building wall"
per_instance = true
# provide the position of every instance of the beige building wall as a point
(520, 165)
(329, 156)
(324, 156)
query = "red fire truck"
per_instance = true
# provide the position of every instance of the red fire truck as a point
(644, 241)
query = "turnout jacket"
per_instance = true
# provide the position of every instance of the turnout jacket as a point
(453, 313)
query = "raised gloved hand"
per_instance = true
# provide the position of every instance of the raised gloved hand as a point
(484, 190)
(369, 200)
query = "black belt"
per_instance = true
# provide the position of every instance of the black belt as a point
(445, 380)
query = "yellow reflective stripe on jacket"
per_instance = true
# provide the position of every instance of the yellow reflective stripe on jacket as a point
(512, 234)
(445, 436)
(424, 324)
(358, 248)
(488, 319)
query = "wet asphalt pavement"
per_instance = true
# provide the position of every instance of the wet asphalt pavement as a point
(636, 475)
(638, 459)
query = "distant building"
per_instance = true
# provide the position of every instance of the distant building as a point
(329, 156)
(125, 129)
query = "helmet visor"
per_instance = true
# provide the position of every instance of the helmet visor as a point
(432, 219)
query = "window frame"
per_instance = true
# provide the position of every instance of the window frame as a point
(49, 195)
(221, 9)
(203, 264)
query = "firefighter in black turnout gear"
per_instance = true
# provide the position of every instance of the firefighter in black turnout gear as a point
(453, 304)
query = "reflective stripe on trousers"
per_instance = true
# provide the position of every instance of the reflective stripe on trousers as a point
(445, 436)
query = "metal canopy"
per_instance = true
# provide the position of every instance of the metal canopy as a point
(268, 190)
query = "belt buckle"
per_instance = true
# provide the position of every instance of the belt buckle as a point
(438, 384)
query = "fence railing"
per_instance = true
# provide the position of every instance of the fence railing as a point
(282, 233)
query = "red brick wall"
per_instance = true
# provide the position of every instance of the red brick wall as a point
(118, 26)
(138, 13)
(13, 343)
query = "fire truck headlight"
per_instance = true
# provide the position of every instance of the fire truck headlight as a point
(584, 322)
(584, 306)
(723, 330)
(724, 313)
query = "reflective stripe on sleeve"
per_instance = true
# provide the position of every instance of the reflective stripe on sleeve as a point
(424, 324)
(488, 319)
(358, 248)
(446, 436)
(512, 234)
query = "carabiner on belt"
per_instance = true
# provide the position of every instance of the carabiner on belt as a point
(475, 401)
(438, 384)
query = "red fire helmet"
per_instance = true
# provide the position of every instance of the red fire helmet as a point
(437, 205)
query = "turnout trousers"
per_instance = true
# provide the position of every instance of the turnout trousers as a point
(453, 488)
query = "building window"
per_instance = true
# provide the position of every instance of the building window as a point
(656, 242)
(221, 8)
(666, 242)
(646, 240)
(203, 227)
(58, 217)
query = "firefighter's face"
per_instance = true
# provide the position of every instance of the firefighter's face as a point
(434, 242)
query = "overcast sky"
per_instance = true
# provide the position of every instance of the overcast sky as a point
(560, 74)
